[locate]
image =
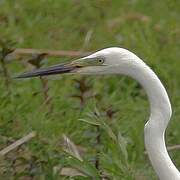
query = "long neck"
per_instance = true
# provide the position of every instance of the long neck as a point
(160, 113)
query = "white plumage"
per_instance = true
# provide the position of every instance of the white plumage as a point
(121, 61)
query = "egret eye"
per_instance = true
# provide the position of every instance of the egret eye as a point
(101, 61)
(94, 61)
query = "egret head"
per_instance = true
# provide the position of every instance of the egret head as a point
(101, 62)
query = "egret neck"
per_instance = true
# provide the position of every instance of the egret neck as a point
(160, 114)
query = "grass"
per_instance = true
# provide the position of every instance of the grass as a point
(148, 28)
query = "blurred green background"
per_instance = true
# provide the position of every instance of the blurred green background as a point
(103, 115)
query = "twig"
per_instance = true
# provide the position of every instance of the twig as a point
(170, 148)
(17, 143)
(71, 172)
(23, 51)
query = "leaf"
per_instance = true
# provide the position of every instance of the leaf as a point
(90, 121)
(71, 148)
(85, 167)
(123, 145)
(109, 131)
(97, 112)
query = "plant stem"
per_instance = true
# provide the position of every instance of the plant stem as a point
(45, 89)
(98, 142)
(5, 74)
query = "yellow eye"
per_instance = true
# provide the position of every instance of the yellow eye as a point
(95, 61)
(101, 61)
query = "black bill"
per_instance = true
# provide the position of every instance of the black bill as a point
(57, 69)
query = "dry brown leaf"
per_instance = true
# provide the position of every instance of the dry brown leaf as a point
(71, 172)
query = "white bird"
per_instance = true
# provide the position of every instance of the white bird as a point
(121, 61)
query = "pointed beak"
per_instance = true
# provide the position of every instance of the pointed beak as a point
(57, 69)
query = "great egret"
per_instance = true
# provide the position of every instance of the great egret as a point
(121, 61)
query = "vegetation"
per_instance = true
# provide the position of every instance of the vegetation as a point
(104, 116)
